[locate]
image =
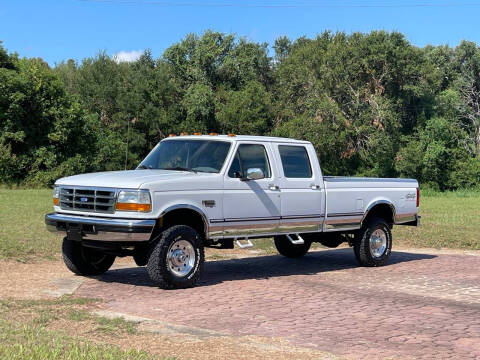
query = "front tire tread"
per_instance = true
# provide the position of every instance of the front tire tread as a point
(157, 266)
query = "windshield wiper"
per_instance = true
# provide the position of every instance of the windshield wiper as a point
(141, 166)
(179, 168)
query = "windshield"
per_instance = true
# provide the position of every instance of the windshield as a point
(188, 155)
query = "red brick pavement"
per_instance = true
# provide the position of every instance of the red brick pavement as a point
(418, 306)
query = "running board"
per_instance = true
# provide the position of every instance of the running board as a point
(299, 240)
(244, 246)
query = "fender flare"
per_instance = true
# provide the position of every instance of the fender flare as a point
(198, 210)
(379, 202)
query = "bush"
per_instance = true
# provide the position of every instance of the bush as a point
(466, 174)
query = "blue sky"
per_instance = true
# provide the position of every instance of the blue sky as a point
(58, 30)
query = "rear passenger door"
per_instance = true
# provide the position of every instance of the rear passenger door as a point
(301, 186)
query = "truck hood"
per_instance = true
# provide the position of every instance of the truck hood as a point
(129, 179)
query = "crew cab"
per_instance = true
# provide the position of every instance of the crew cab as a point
(197, 191)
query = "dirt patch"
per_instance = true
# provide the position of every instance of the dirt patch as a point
(30, 281)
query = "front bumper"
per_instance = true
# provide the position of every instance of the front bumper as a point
(100, 229)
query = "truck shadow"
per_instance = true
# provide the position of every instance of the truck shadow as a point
(263, 267)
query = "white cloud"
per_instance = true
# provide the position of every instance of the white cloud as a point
(127, 56)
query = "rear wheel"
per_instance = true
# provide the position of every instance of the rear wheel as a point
(373, 244)
(177, 258)
(286, 248)
(83, 260)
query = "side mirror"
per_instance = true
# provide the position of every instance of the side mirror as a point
(255, 174)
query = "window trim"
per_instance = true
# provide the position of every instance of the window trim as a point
(235, 151)
(308, 158)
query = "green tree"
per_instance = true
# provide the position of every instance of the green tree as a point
(247, 111)
(41, 127)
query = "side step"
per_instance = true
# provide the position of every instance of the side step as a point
(299, 240)
(244, 246)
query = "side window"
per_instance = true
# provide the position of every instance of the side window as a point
(249, 156)
(295, 161)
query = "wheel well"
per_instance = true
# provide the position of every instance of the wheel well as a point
(382, 211)
(185, 217)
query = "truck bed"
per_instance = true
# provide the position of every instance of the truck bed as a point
(348, 199)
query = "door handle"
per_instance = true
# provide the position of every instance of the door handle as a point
(273, 187)
(315, 186)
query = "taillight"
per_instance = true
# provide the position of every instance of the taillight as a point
(418, 197)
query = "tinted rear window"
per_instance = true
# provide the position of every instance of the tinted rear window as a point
(295, 161)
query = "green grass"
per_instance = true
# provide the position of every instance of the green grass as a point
(24, 332)
(70, 308)
(34, 342)
(450, 220)
(22, 229)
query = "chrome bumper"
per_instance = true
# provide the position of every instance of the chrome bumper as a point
(100, 229)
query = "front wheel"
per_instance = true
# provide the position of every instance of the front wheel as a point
(373, 243)
(83, 260)
(286, 248)
(177, 259)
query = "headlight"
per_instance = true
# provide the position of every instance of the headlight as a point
(134, 200)
(56, 196)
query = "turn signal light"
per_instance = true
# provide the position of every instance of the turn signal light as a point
(133, 207)
(56, 196)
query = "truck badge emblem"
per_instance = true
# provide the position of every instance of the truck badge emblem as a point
(208, 203)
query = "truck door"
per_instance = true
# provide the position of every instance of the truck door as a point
(301, 187)
(251, 207)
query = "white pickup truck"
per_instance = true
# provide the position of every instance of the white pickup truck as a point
(199, 191)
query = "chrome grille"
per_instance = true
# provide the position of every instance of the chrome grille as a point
(88, 199)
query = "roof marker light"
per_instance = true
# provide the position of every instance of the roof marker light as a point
(213, 134)
(197, 133)
(231, 135)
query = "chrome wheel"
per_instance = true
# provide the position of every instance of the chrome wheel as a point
(378, 243)
(181, 257)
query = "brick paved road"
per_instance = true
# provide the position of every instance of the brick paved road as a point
(419, 306)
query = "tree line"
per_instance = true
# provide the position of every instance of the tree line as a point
(372, 104)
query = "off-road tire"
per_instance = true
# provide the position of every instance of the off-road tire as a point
(158, 267)
(286, 248)
(362, 243)
(83, 260)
